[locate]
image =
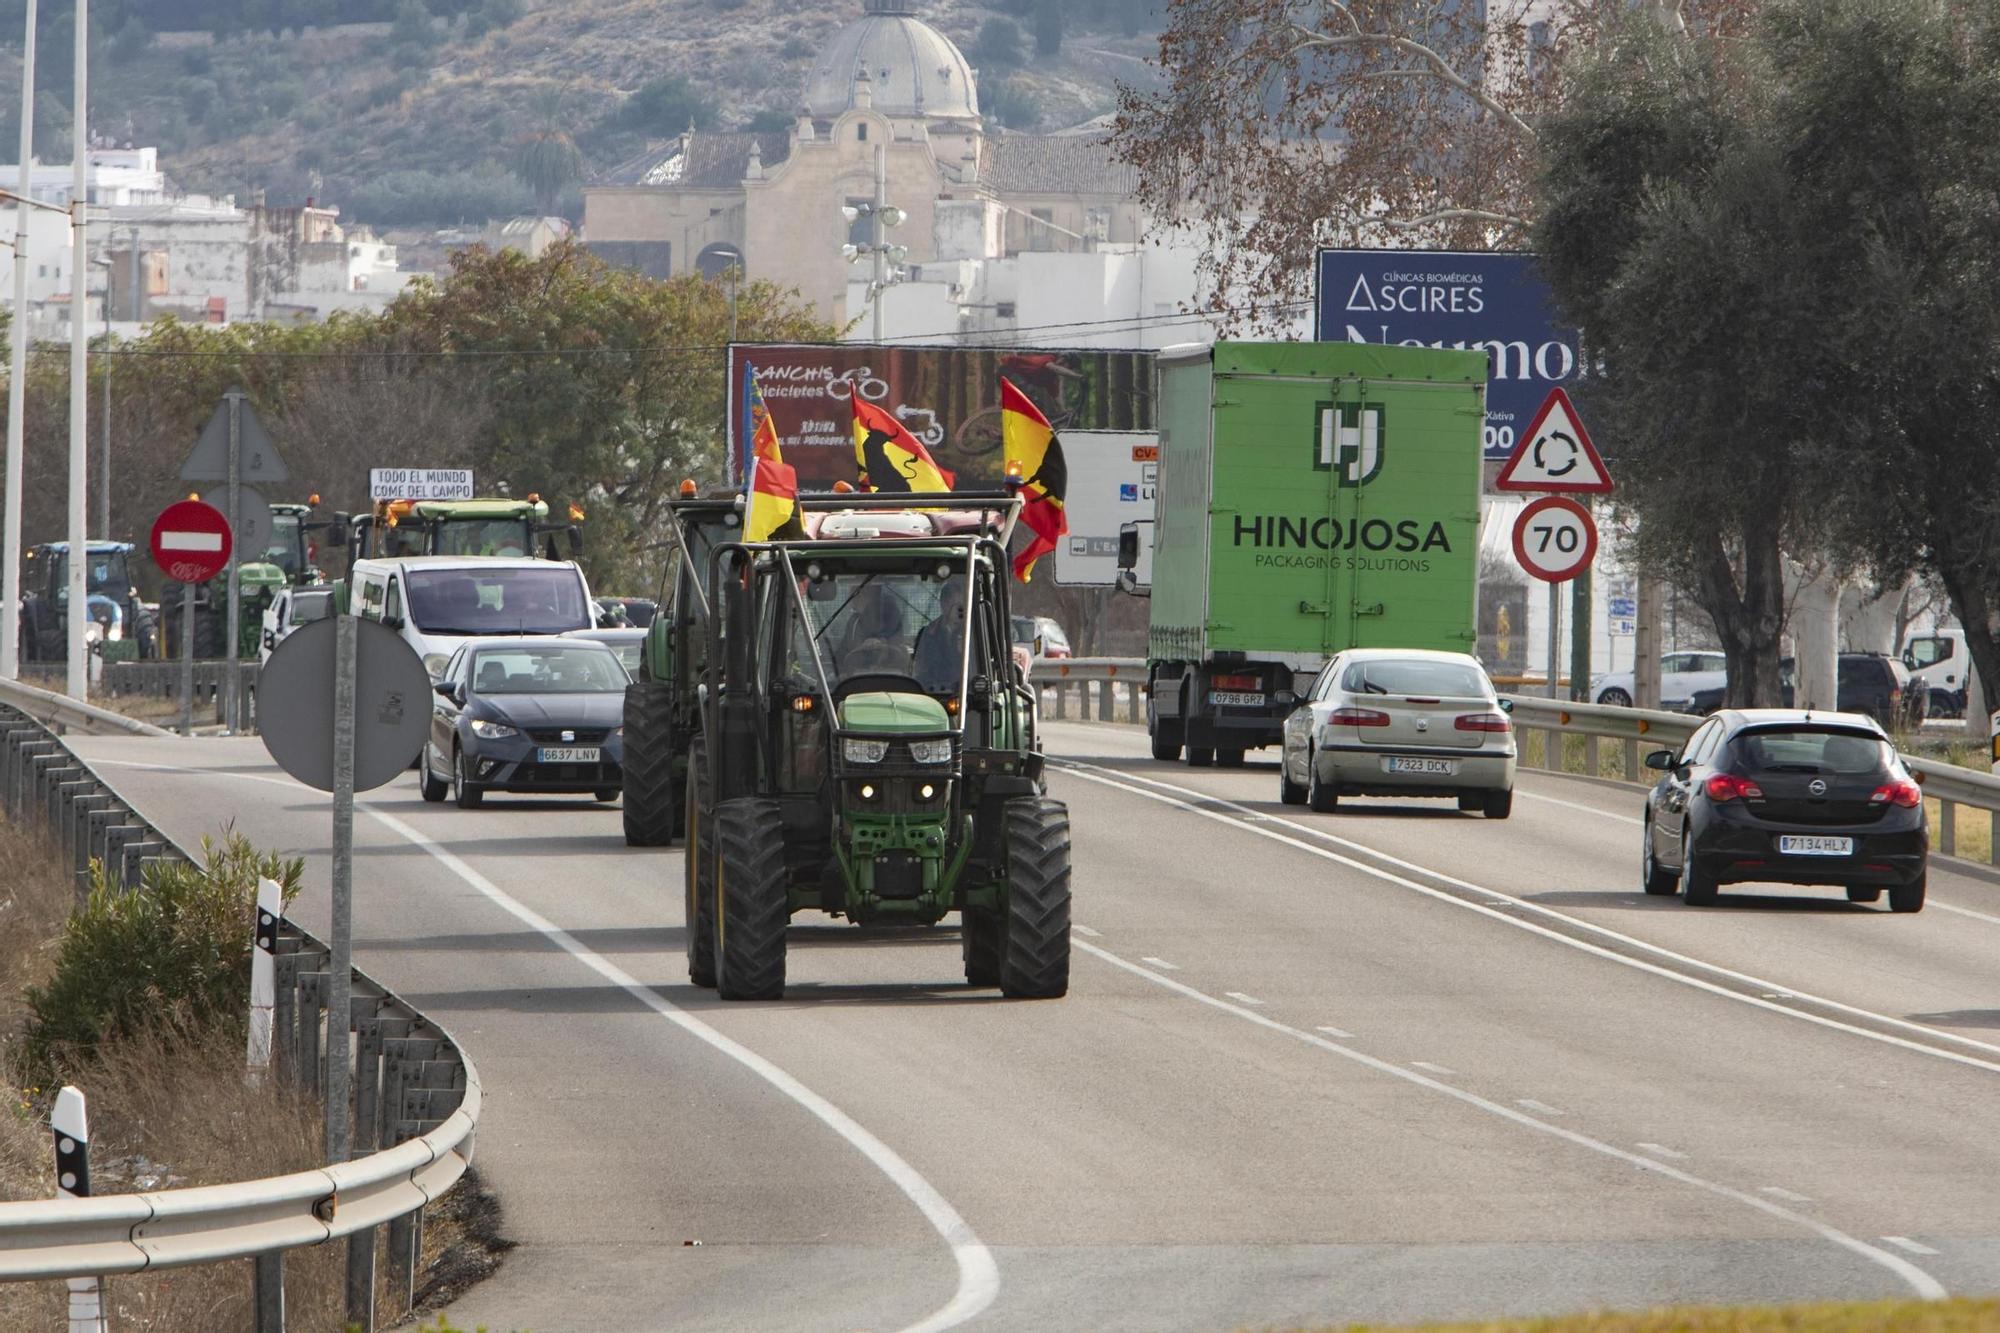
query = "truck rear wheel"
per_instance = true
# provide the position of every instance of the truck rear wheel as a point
(1229, 758)
(649, 765)
(1166, 736)
(1201, 756)
(752, 907)
(698, 873)
(1034, 964)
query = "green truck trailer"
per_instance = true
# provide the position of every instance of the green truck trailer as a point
(1312, 497)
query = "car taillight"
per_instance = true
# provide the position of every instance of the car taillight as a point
(1357, 717)
(1235, 682)
(1900, 792)
(1484, 722)
(1730, 787)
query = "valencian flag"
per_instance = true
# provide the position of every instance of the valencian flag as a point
(890, 458)
(1031, 442)
(770, 483)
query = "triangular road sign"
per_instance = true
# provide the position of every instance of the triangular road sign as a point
(258, 458)
(1555, 454)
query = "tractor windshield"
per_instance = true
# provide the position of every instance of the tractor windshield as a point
(874, 622)
(106, 575)
(288, 546)
(489, 536)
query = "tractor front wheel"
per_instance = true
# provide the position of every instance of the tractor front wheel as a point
(1034, 964)
(650, 802)
(982, 936)
(698, 870)
(752, 907)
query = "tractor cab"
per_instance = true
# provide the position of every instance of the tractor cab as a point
(293, 547)
(499, 527)
(118, 620)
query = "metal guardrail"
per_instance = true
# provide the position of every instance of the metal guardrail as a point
(1107, 679)
(162, 680)
(59, 710)
(416, 1095)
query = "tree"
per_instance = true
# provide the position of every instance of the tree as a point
(1278, 128)
(998, 45)
(547, 159)
(1048, 27)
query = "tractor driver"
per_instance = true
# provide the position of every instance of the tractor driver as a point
(941, 644)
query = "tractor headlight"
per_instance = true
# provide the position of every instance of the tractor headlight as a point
(931, 752)
(864, 752)
(491, 731)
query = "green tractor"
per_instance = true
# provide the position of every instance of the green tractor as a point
(462, 527)
(867, 748)
(290, 559)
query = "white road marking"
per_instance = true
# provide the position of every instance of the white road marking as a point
(1539, 1108)
(1203, 804)
(978, 1274)
(1905, 1243)
(1159, 962)
(1963, 911)
(1336, 1032)
(1925, 1286)
(1778, 1192)
(1242, 998)
(1083, 930)
(1662, 1150)
(1428, 1067)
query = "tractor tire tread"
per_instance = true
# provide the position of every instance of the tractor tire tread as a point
(1034, 963)
(650, 798)
(754, 908)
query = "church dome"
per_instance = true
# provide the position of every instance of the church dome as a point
(912, 69)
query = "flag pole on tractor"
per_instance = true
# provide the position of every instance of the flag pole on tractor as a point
(1035, 459)
(770, 484)
(890, 458)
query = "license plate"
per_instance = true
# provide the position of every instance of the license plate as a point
(567, 754)
(1442, 768)
(1803, 844)
(1236, 698)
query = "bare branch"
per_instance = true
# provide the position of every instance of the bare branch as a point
(1440, 69)
(1452, 215)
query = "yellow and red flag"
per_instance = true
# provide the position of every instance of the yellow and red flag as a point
(890, 458)
(770, 484)
(1032, 446)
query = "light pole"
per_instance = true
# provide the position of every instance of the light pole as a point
(104, 472)
(882, 215)
(17, 385)
(78, 679)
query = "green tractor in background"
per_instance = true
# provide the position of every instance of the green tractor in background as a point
(290, 560)
(867, 748)
(462, 527)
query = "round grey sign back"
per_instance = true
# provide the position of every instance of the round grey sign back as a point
(392, 704)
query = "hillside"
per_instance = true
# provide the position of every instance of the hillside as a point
(420, 120)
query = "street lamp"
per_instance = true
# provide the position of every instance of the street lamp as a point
(882, 215)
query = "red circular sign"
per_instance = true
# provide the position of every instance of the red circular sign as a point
(1555, 539)
(191, 541)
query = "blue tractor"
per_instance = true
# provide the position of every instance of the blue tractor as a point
(122, 624)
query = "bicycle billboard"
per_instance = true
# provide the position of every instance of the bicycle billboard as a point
(948, 397)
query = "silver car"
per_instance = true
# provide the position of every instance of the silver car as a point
(1400, 722)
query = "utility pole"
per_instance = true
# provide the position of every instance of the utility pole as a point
(17, 384)
(104, 472)
(78, 683)
(881, 282)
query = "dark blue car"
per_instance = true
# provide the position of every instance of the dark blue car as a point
(534, 714)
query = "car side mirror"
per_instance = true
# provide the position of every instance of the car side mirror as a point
(445, 689)
(1128, 547)
(336, 532)
(1663, 760)
(1506, 705)
(392, 622)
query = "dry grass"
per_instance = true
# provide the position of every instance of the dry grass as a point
(1954, 1316)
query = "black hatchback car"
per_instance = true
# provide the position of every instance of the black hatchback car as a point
(1790, 797)
(537, 714)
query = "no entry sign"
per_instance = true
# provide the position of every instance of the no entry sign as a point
(191, 541)
(1555, 539)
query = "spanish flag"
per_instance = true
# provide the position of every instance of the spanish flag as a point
(890, 458)
(1032, 445)
(770, 484)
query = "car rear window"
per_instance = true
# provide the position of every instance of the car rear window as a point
(1812, 750)
(1438, 679)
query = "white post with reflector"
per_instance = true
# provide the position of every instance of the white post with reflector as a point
(263, 979)
(71, 1123)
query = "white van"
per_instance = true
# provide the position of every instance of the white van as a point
(1940, 657)
(437, 602)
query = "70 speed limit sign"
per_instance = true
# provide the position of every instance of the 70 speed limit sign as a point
(1555, 539)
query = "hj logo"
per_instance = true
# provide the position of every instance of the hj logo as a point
(1349, 440)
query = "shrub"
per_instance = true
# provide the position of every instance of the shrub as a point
(1010, 102)
(176, 951)
(998, 45)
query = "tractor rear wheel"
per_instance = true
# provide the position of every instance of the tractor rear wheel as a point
(1034, 964)
(698, 870)
(752, 907)
(208, 634)
(650, 801)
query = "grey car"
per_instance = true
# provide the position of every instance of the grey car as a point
(539, 714)
(1400, 722)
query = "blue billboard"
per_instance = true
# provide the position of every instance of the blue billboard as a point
(1451, 298)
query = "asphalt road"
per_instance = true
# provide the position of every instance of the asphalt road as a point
(1396, 1063)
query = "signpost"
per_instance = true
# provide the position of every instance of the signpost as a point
(191, 544)
(1555, 538)
(1112, 479)
(420, 483)
(233, 447)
